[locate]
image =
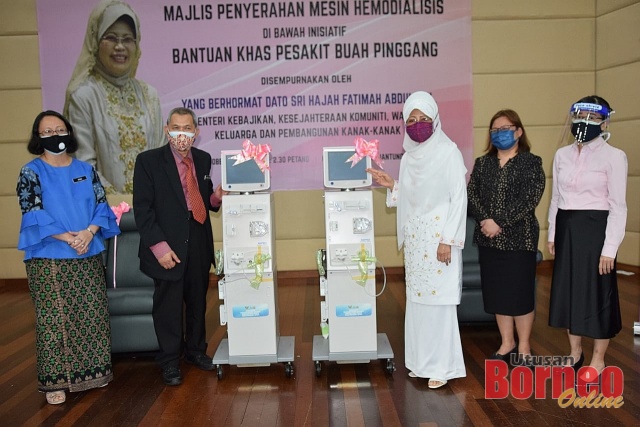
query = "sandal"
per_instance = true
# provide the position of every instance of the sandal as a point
(586, 375)
(436, 383)
(56, 397)
(412, 375)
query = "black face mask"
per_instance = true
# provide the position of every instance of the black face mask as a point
(585, 132)
(55, 144)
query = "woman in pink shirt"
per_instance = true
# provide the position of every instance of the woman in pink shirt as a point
(587, 218)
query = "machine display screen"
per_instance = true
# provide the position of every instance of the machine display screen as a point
(338, 172)
(243, 177)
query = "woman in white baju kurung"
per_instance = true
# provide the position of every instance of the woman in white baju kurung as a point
(432, 205)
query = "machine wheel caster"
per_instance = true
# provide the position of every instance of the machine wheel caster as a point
(288, 370)
(318, 368)
(219, 372)
(391, 366)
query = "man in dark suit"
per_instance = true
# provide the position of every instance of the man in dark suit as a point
(172, 196)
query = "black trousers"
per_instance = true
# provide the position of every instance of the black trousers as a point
(184, 299)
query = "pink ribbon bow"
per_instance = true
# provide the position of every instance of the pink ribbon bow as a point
(119, 210)
(256, 152)
(366, 149)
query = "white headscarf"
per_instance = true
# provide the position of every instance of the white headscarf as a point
(424, 171)
(105, 14)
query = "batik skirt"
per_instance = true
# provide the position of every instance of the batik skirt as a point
(73, 336)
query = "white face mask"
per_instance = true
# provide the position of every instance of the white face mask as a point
(181, 141)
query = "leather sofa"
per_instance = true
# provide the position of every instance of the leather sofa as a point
(130, 292)
(471, 308)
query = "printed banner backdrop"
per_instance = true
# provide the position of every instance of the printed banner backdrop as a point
(298, 75)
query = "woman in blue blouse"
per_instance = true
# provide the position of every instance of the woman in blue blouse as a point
(65, 217)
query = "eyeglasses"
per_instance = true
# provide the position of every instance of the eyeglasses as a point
(50, 132)
(587, 116)
(126, 41)
(507, 127)
(413, 120)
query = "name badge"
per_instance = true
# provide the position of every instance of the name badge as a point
(79, 179)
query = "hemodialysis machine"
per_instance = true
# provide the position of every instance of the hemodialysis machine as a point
(249, 288)
(347, 267)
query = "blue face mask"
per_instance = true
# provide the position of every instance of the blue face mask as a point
(503, 139)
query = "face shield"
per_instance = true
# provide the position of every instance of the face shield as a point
(587, 121)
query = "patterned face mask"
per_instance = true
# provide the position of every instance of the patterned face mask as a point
(181, 141)
(420, 131)
(585, 131)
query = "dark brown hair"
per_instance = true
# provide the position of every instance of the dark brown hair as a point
(524, 146)
(34, 146)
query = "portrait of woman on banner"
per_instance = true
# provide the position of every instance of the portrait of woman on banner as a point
(115, 115)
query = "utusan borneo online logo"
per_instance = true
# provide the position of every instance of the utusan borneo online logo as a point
(584, 388)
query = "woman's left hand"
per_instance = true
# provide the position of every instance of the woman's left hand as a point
(489, 228)
(81, 240)
(606, 265)
(444, 253)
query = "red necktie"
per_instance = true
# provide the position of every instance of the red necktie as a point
(195, 200)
